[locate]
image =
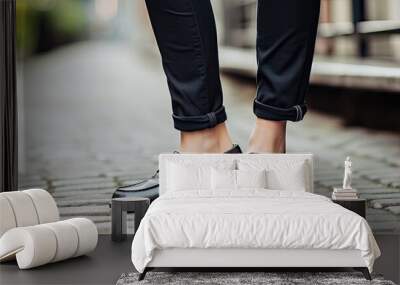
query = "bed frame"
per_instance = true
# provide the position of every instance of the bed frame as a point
(242, 259)
(245, 259)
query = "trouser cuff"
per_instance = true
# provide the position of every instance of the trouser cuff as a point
(196, 123)
(272, 113)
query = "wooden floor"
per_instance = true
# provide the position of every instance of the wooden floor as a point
(103, 266)
(110, 259)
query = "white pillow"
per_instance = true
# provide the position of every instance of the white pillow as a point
(223, 179)
(281, 174)
(183, 176)
(227, 179)
(251, 178)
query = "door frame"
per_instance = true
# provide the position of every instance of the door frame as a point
(8, 98)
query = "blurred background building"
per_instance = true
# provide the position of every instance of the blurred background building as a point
(357, 48)
(347, 27)
(367, 28)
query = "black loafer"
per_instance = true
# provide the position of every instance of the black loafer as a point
(235, 149)
(148, 188)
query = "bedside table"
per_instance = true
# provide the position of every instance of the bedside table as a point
(357, 206)
(119, 209)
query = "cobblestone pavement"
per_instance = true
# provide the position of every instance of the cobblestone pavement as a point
(96, 114)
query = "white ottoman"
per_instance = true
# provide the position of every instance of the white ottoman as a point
(31, 233)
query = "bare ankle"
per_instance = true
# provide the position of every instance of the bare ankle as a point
(213, 140)
(268, 137)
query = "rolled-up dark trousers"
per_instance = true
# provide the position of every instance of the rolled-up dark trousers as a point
(186, 36)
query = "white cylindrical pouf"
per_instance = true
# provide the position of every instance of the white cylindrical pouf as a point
(34, 246)
(41, 244)
(23, 208)
(7, 218)
(45, 205)
(87, 234)
(67, 239)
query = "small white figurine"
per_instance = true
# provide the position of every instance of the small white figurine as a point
(347, 174)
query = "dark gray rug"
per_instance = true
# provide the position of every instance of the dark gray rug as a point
(229, 278)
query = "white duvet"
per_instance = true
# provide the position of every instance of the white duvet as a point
(250, 219)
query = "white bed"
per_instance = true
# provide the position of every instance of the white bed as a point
(248, 227)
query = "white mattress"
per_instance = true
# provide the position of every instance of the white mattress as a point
(257, 219)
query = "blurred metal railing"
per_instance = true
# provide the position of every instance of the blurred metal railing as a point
(360, 27)
(239, 25)
(237, 53)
